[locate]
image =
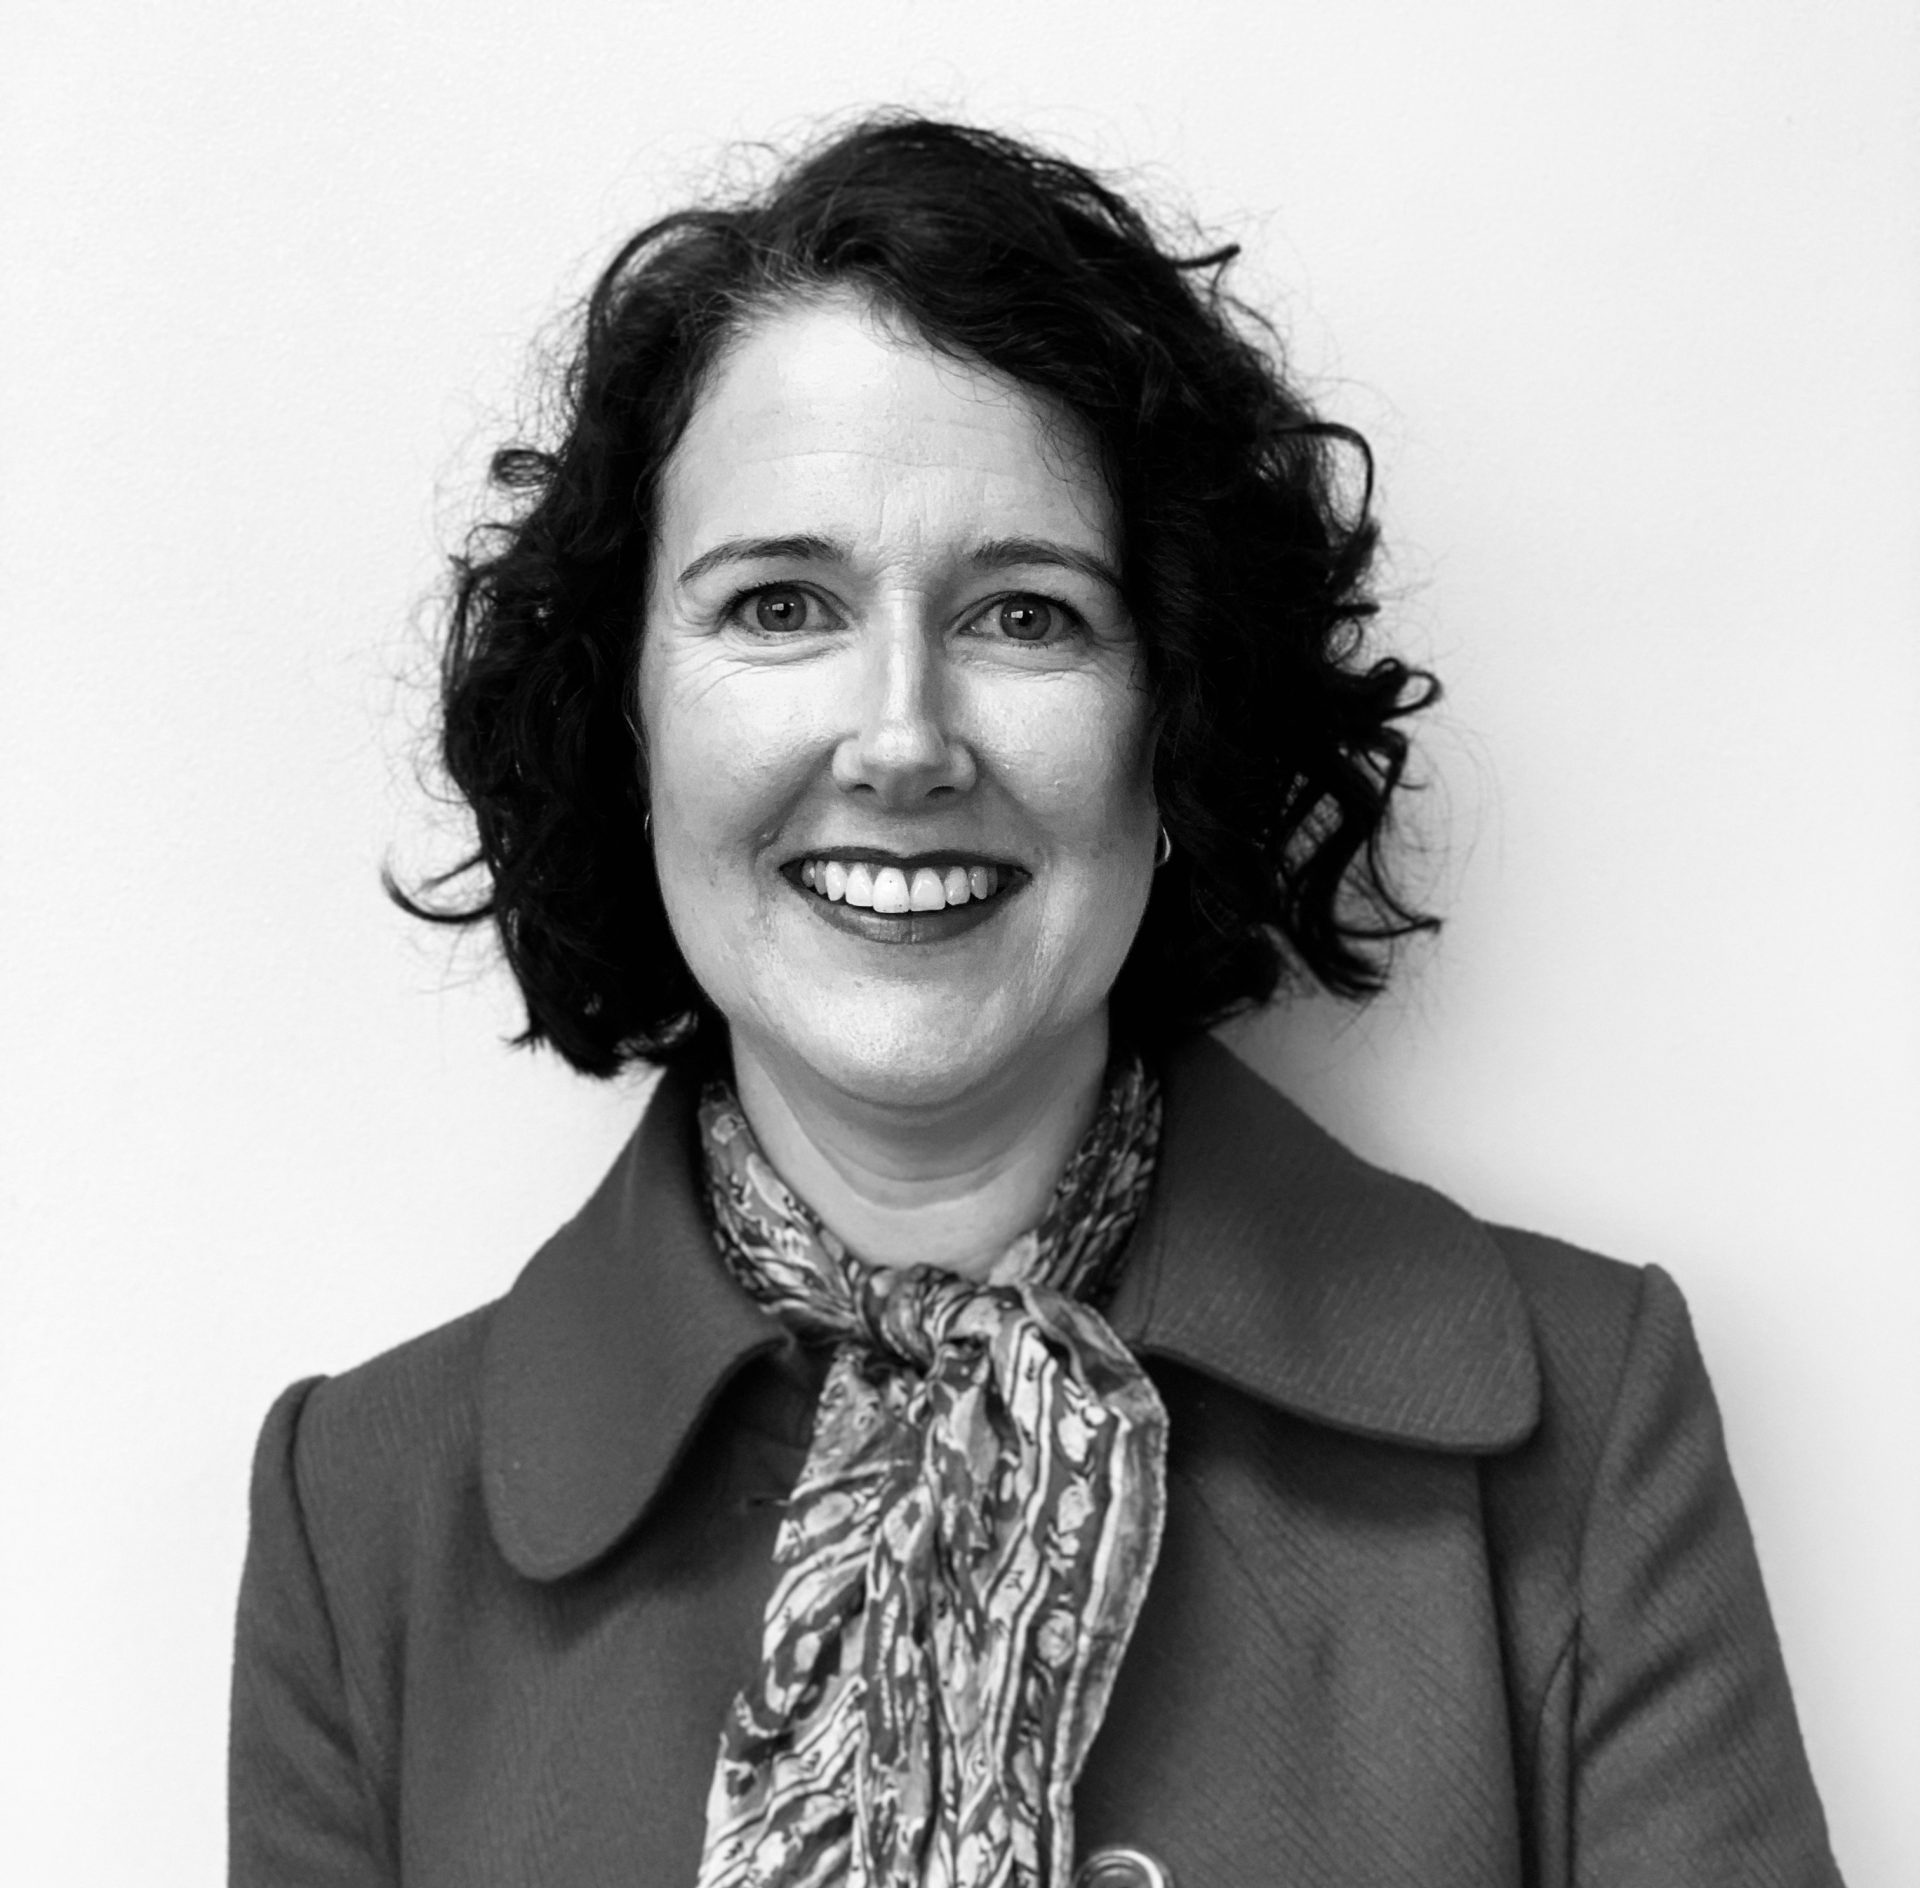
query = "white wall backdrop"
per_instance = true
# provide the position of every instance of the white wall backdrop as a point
(1626, 297)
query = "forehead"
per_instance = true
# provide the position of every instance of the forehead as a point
(829, 416)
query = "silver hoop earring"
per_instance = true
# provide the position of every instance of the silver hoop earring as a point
(646, 823)
(1164, 850)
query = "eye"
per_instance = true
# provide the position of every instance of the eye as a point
(1031, 619)
(779, 611)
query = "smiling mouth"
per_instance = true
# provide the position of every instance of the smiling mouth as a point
(889, 899)
(900, 888)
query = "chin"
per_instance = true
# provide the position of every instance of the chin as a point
(913, 1054)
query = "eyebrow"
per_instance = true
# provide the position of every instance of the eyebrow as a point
(802, 549)
(999, 553)
(991, 554)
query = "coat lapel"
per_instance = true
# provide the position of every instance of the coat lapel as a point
(1270, 1259)
(607, 1352)
(1273, 1259)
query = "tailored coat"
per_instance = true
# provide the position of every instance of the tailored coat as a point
(1455, 1590)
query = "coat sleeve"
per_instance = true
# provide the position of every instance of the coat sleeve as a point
(300, 1811)
(1688, 1766)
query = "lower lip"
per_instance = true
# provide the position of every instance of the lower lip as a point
(907, 927)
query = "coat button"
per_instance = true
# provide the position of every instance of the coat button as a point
(1122, 1868)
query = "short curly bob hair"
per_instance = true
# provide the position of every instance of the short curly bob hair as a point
(1278, 750)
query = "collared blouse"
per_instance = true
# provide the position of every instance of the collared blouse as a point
(1456, 1589)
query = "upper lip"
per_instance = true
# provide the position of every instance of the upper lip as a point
(941, 860)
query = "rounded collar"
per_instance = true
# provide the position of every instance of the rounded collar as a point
(1270, 1258)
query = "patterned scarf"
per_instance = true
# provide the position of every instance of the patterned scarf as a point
(968, 1545)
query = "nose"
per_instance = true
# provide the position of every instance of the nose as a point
(902, 745)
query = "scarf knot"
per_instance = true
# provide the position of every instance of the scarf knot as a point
(914, 1316)
(966, 1550)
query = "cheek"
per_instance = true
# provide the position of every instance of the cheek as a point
(714, 799)
(1089, 773)
(724, 755)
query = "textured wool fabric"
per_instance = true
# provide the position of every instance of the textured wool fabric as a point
(1455, 1588)
(967, 1548)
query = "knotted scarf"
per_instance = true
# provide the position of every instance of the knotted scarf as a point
(966, 1550)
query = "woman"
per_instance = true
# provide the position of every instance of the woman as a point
(978, 1433)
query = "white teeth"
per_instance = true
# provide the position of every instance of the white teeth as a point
(888, 888)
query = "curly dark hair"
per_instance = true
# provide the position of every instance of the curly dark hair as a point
(1279, 751)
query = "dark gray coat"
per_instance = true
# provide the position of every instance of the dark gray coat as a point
(1456, 1589)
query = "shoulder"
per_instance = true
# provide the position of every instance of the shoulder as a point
(1582, 1307)
(413, 1404)
(1603, 1330)
(359, 1481)
(371, 1458)
(1624, 1399)
(1276, 1259)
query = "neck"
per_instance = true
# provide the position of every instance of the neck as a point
(950, 1184)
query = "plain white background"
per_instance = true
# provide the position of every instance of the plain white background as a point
(1626, 300)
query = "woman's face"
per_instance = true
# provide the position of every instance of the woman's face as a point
(885, 657)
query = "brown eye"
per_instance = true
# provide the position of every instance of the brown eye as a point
(780, 611)
(1028, 619)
